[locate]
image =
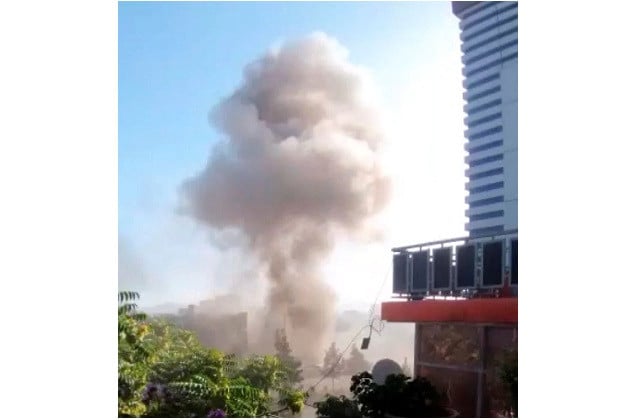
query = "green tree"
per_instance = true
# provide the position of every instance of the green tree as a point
(337, 407)
(399, 396)
(291, 364)
(164, 371)
(333, 364)
(356, 362)
(133, 355)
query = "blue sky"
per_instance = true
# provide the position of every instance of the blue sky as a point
(177, 60)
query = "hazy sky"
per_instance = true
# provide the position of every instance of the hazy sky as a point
(177, 60)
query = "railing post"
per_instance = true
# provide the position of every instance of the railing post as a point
(416, 349)
(481, 372)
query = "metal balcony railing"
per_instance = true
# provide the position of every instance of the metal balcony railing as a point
(459, 267)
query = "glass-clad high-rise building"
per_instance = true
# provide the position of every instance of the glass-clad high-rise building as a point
(489, 34)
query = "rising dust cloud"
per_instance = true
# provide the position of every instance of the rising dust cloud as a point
(299, 169)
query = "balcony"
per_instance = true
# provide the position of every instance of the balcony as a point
(461, 294)
(458, 268)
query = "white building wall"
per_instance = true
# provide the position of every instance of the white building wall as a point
(490, 66)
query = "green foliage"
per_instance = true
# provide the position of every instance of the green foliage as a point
(245, 400)
(270, 374)
(133, 355)
(263, 372)
(164, 371)
(398, 396)
(334, 406)
(333, 364)
(293, 400)
(291, 365)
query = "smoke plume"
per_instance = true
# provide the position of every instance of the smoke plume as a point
(300, 168)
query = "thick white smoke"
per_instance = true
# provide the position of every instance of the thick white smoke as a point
(300, 168)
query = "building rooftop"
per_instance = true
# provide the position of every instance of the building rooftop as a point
(459, 6)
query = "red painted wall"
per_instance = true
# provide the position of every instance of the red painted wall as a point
(489, 310)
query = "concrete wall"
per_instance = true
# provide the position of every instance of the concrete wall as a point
(461, 361)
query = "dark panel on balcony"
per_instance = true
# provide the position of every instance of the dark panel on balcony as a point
(400, 273)
(442, 268)
(420, 267)
(465, 265)
(514, 261)
(492, 264)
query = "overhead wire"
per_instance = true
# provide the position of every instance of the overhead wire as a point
(372, 317)
(369, 325)
(386, 277)
(340, 356)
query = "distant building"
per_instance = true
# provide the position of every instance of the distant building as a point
(227, 332)
(490, 68)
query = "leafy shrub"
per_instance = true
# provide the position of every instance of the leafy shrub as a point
(164, 371)
(337, 407)
(399, 396)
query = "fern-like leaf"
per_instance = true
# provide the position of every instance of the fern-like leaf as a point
(126, 296)
(139, 316)
(127, 308)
